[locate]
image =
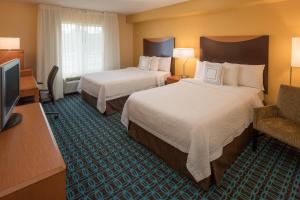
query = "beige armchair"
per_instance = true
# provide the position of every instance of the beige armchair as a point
(280, 121)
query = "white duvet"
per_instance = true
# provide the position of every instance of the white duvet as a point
(113, 84)
(196, 118)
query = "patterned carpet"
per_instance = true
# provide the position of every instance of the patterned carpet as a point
(103, 163)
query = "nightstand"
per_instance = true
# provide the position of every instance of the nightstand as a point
(172, 79)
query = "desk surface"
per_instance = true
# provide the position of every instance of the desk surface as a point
(28, 87)
(28, 151)
(27, 83)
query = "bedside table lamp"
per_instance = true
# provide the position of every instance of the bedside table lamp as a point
(295, 59)
(10, 49)
(184, 53)
(8, 43)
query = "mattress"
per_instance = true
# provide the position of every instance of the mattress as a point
(196, 118)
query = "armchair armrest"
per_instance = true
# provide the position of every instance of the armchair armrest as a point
(263, 113)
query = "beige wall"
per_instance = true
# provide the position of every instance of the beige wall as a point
(20, 20)
(188, 21)
(126, 42)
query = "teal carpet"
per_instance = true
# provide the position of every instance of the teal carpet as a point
(104, 163)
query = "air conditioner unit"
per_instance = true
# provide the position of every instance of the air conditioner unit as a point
(71, 85)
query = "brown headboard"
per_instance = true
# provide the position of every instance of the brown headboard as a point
(160, 47)
(252, 50)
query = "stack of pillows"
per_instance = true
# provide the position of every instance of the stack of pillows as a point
(230, 74)
(155, 63)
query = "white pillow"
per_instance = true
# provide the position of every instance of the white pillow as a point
(144, 63)
(213, 73)
(252, 76)
(199, 72)
(154, 63)
(164, 64)
(231, 74)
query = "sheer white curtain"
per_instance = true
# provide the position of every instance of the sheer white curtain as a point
(111, 41)
(78, 41)
(48, 46)
(82, 42)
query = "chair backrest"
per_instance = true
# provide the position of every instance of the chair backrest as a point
(50, 81)
(288, 102)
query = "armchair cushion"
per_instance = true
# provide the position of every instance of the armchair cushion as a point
(288, 103)
(263, 113)
(285, 130)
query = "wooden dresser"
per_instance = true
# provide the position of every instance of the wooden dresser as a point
(31, 166)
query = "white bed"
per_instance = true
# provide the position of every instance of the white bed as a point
(196, 118)
(114, 84)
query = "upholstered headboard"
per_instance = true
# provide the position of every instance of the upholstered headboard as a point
(160, 47)
(252, 50)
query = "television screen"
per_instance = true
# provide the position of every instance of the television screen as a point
(11, 87)
(10, 91)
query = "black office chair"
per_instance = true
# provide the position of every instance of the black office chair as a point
(46, 95)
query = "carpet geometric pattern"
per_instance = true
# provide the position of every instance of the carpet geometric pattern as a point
(104, 163)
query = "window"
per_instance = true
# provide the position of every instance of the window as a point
(82, 49)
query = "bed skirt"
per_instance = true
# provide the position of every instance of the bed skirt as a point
(112, 106)
(176, 159)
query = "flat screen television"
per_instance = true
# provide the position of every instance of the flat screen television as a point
(9, 93)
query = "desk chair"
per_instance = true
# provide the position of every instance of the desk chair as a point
(46, 95)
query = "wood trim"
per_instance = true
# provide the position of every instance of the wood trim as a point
(28, 87)
(232, 38)
(159, 39)
(52, 187)
(7, 55)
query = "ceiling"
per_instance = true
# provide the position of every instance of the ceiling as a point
(118, 6)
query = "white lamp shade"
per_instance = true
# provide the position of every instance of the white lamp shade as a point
(295, 52)
(9, 43)
(183, 53)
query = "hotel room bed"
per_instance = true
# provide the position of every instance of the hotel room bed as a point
(115, 84)
(108, 90)
(197, 128)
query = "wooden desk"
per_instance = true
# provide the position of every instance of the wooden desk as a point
(31, 166)
(7, 55)
(26, 71)
(28, 87)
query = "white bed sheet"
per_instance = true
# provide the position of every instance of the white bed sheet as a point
(194, 117)
(114, 84)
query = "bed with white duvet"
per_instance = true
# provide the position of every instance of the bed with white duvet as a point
(113, 84)
(195, 117)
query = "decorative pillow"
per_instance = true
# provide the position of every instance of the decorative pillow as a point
(199, 72)
(231, 74)
(154, 63)
(164, 64)
(251, 76)
(213, 73)
(144, 63)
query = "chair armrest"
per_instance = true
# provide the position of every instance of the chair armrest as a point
(263, 113)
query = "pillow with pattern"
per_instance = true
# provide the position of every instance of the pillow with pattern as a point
(213, 73)
(144, 63)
